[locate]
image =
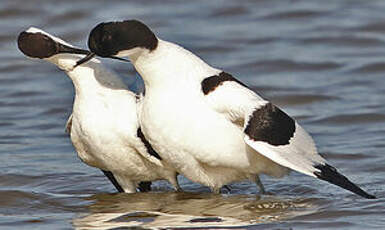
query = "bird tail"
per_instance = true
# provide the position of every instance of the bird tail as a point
(330, 174)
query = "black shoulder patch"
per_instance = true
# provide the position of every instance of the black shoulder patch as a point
(149, 148)
(211, 83)
(271, 125)
(330, 174)
(113, 180)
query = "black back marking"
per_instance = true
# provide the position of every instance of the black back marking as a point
(113, 180)
(107, 39)
(149, 148)
(39, 45)
(211, 83)
(270, 124)
(330, 174)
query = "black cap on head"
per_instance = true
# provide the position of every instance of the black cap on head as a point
(107, 39)
(39, 45)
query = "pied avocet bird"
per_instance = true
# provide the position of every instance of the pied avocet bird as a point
(103, 127)
(207, 124)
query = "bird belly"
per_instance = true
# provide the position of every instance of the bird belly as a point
(108, 147)
(201, 144)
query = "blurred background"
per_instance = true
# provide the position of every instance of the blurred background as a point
(323, 62)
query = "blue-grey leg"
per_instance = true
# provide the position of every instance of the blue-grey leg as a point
(144, 186)
(258, 182)
(113, 180)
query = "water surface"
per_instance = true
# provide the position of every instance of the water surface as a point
(323, 62)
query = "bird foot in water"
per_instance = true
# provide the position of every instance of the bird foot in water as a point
(144, 186)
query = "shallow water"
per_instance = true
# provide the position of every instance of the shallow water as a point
(323, 62)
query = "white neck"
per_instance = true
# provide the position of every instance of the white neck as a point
(170, 64)
(89, 78)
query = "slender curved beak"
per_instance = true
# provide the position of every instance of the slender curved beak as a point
(91, 55)
(73, 50)
(120, 59)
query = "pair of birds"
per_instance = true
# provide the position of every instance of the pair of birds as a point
(194, 119)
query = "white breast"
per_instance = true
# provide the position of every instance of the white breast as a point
(196, 140)
(199, 142)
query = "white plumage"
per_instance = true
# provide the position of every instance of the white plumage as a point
(208, 125)
(201, 136)
(103, 126)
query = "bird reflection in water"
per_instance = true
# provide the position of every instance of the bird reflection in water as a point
(166, 210)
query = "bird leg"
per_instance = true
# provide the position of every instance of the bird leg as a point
(175, 183)
(258, 182)
(144, 186)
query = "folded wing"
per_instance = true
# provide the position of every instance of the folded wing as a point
(271, 132)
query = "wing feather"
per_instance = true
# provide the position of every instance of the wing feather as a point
(270, 131)
(299, 154)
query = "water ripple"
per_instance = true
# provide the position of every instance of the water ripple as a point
(272, 66)
(322, 63)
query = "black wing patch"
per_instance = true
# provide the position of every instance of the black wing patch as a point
(271, 125)
(211, 83)
(113, 180)
(149, 148)
(330, 174)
